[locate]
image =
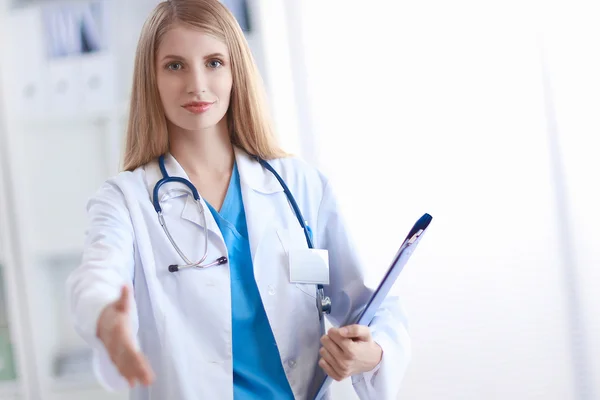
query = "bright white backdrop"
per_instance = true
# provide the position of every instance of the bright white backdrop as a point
(442, 107)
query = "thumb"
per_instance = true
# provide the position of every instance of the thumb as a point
(356, 332)
(122, 304)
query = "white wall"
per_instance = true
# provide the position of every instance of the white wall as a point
(573, 59)
(439, 107)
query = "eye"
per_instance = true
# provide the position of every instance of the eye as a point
(174, 66)
(214, 64)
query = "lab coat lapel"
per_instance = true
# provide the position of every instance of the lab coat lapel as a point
(258, 187)
(191, 212)
(169, 191)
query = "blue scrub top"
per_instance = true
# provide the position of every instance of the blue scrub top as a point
(257, 369)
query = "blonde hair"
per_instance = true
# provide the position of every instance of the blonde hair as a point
(247, 116)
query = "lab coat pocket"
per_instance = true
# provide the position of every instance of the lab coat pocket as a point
(293, 238)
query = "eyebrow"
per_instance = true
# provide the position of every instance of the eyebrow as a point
(175, 57)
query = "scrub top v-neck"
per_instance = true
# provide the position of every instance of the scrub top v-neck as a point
(257, 369)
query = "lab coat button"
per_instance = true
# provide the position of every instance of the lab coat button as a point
(292, 363)
(271, 290)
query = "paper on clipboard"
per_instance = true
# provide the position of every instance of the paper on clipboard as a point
(368, 313)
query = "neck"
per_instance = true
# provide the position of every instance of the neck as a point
(202, 152)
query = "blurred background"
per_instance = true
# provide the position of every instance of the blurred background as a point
(483, 113)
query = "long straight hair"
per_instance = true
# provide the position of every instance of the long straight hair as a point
(247, 116)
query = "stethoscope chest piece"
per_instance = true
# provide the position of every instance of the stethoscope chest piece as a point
(323, 303)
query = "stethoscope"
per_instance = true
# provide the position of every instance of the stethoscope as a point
(323, 302)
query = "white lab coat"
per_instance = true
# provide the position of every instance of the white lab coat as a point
(182, 320)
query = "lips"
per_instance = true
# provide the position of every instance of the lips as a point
(198, 107)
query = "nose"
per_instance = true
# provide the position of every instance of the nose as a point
(197, 81)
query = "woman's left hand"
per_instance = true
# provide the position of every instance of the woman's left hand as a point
(349, 351)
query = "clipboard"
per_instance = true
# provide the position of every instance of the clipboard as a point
(367, 314)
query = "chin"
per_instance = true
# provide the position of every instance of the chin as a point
(196, 122)
(198, 125)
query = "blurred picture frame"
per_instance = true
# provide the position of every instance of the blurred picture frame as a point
(240, 10)
(75, 29)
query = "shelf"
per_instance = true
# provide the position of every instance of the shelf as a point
(97, 118)
(65, 389)
(75, 382)
(61, 258)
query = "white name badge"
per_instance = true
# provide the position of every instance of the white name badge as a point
(309, 266)
(306, 265)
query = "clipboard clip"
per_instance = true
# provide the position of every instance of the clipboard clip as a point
(415, 237)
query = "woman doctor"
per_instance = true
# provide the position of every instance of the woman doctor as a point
(241, 324)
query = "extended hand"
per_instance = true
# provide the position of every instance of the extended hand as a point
(348, 351)
(114, 332)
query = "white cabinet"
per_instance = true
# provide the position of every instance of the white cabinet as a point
(63, 84)
(27, 88)
(97, 84)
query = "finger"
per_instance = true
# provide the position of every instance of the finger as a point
(135, 369)
(144, 371)
(129, 360)
(135, 360)
(126, 365)
(123, 303)
(332, 347)
(338, 366)
(126, 372)
(357, 332)
(343, 343)
(328, 370)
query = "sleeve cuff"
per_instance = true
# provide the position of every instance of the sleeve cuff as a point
(104, 370)
(369, 376)
(383, 382)
(87, 324)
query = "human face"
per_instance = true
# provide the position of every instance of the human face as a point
(194, 78)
